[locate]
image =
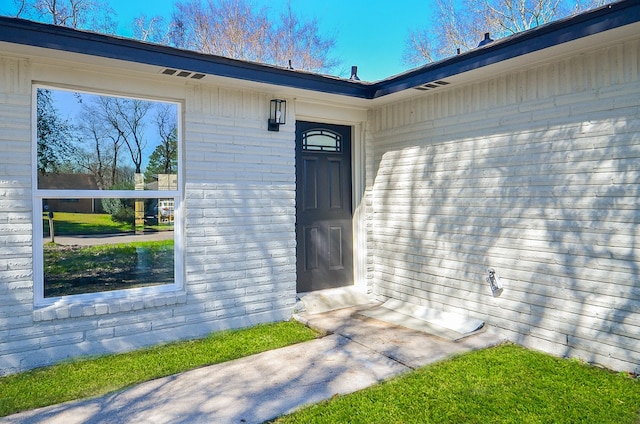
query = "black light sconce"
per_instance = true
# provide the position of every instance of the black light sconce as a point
(277, 114)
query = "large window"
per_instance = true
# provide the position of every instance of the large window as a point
(107, 197)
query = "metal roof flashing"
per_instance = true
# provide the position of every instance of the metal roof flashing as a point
(28, 33)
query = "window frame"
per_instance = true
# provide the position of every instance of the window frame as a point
(177, 195)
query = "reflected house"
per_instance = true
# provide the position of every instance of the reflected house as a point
(163, 182)
(51, 181)
(163, 209)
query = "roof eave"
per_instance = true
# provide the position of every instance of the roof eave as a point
(590, 23)
(35, 34)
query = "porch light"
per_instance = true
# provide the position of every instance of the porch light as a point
(277, 114)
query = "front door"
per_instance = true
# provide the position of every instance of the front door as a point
(323, 206)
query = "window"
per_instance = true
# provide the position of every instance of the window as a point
(322, 140)
(108, 195)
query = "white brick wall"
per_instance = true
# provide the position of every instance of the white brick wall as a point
(16, 285)
(535, 173)
(239, 238)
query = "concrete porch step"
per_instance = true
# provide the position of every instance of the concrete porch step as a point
(320, 301)
(446, 325)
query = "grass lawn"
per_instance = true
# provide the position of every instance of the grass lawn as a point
(97, 376)
(67, 223)
(71, 223)
(506, 384)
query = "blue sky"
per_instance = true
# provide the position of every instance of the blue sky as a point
(369, 34)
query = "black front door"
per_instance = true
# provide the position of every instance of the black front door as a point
(323, 206)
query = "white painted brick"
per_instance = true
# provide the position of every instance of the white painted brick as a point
(76, 311)
(545, 195)
(129, 329)
(62, 313)
(99, 334)
(101, 308)
(114, 307)
(18, 346)
(172, 322)
(125, 305)
(67, 339)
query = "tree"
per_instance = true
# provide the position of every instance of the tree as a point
(230, 28)
(164, 158)
(462, 24)
(53, 135)
(100, 146)
(297, 42)
(126, 117)
(80, 14)
(233, 28)
(152, 29)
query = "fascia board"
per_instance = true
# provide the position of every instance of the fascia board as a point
(603, 19)
(35, 34)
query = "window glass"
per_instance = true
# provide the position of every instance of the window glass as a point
(97, 142)
(322, 140)
(107, 180)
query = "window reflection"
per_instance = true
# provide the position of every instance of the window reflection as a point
(88, 252)
(96, 142)
(107, 178)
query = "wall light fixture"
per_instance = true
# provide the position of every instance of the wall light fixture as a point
(277, 114)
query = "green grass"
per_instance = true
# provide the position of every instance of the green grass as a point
(68, 223)
(506, 384)
(101, 375)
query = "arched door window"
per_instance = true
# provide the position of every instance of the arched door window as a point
(322, 140)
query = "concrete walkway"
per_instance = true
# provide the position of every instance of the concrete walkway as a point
(358, 353)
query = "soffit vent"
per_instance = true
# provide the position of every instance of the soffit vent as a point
(183, 74)
(432, 85)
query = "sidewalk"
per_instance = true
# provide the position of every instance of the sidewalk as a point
(359, 353)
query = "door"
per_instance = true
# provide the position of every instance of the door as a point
(323, 206)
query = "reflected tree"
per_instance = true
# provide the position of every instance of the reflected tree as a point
(126, 118)
(164, 158)
(101, 147)
(53, 135)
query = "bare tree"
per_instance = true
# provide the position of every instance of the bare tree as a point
(230, 28)
(152, 29)
(164, 158)
(80, 14)
(461, 24)
(235, 29)
(101, 146)
(126, 118)
(296, 42)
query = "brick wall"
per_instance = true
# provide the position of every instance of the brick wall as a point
(238, 239)
(534, 173)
